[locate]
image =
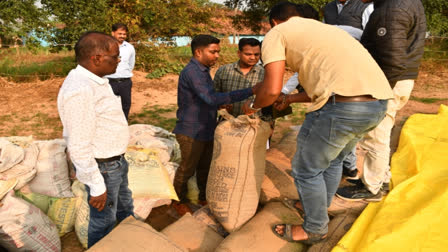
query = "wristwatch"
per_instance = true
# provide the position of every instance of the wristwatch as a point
(251, 106)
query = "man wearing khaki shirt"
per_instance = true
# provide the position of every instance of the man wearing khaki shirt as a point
(97, 133)
(348, 93)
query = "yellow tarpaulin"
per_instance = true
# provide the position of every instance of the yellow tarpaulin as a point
(414, 216)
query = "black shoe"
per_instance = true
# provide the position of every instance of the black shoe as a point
(350, 174)
(357, 182)
(385, 188)
(358, 193)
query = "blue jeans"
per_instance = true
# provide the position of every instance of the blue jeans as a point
(119, 204)
(325, 139)
(350, 160)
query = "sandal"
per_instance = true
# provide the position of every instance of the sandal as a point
(291, 204)
(287, 235)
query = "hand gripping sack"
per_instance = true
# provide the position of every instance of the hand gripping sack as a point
(237, 169)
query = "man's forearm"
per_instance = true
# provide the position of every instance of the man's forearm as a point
(272, 84)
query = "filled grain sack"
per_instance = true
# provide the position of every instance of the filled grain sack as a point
(25, 170)
(256, 235)
(10, 154)
(150, 136)
(147, 175)
(52, 176)
(193, 235)
(62, 211)
(205, 215)
(338, 226)
(6, 186)
(143, 207)
(277, 182)
(237, 169)
(24, 227)
(134, 235)
(82, 212)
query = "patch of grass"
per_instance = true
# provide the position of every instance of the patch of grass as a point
(155, 115)
(29, 71)
(427, 100)
(298, 114)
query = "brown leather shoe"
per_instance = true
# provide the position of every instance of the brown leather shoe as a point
(181, 208)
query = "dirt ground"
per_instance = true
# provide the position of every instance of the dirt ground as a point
(30, 109)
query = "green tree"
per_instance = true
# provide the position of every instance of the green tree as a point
(254, 11)
(72, 18)
(20, 19)
(437, 16)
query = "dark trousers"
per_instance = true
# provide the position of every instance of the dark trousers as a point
(196, 157)
(122, 87)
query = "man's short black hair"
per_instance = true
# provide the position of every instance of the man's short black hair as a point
(117, 26)
(91, 43)
(307, 11)
(202, 40)
(283, 11)
(248, 41)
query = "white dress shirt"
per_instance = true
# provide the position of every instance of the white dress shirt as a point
(94, 124)
(126, 65)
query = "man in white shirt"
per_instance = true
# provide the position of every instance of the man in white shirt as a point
(121, 80)
(97, 132)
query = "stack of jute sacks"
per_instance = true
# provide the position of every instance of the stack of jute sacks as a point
(39, 202)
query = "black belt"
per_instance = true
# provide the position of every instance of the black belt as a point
(119, 79)
(105, 160)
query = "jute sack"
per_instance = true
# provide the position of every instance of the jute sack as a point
(237, 169)
(277, 182)
(134, 235)
(25, 170)
(10, 154)
(193, 234)
(24, 227)
(257, 235)
(337, 228)
(205, 215)
(52, 176)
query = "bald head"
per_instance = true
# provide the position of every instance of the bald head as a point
(93, 43)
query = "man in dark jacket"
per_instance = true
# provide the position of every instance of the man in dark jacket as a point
(349, 15)
(394, 36)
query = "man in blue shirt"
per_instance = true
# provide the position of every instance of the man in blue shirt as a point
(196, 117)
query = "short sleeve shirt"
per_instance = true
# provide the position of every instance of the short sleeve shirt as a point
(327, 59)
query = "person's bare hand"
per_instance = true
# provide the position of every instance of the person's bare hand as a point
(246, 108)
(280, 98)
(228, 107)
(281, 103)
(98, 202)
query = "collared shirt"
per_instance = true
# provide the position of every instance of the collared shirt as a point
(126, 65)
(198, 102)
(229, 78)
(94, 124)
(339, 65)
